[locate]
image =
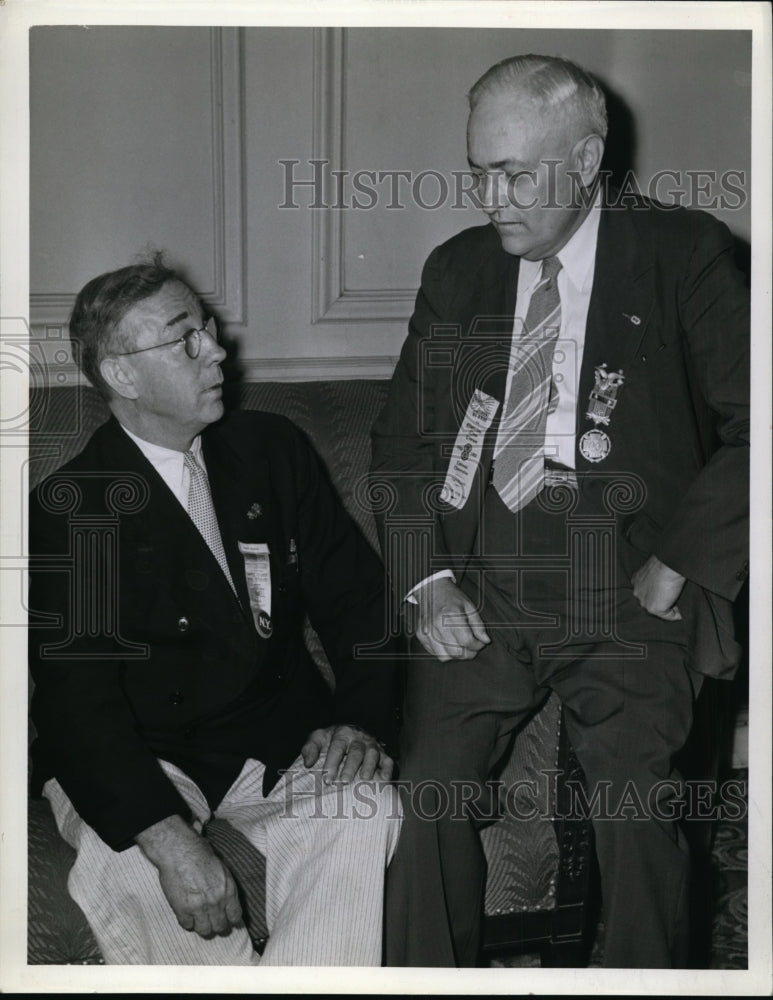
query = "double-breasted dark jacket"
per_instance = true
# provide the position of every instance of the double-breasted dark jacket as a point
(140, 649)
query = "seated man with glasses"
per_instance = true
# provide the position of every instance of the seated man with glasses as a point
(172, 682)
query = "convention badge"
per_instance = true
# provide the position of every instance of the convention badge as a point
(468, 449)
(595, 445)
(603, 395)
(257, 570)
(264, 625)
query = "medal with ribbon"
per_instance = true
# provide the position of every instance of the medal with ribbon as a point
(595, 444)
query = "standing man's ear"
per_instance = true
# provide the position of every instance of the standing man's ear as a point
(119, 376)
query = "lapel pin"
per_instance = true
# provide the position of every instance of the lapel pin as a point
(254, 511)
(636, 320)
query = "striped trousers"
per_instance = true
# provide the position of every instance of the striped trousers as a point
(326, 850)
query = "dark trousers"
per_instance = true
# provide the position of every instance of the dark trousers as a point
(627, 694)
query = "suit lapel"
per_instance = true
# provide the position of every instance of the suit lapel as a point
(489, 336)
(491, 319)
(621, 304)
(483, 353)
(163, 525)
(163, 517)
(242, 497)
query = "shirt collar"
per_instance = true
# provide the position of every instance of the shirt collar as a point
(157, 454)
(577, 256)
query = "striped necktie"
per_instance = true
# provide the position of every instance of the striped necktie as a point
(202, 512)
(519, 462)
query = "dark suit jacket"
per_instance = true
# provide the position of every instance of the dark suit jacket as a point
(139, 648)
(670, 309)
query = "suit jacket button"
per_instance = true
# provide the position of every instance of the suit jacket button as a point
(176, 698)
(183, 624)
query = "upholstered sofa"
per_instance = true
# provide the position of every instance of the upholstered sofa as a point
(536, 897)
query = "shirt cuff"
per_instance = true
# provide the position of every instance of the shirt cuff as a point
(443, 574)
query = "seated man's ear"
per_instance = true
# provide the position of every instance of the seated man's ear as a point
(118, 374)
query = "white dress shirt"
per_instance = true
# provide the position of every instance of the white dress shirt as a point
(170, 464)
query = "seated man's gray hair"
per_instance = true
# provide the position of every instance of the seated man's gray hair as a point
(102, 304)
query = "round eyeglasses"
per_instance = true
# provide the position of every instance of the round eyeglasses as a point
(191, 341)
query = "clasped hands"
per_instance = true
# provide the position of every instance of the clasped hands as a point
(197, 884)
(450, 628)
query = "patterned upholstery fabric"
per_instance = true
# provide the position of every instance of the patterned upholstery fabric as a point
(522, 853)
(57, 932)
(337, 416)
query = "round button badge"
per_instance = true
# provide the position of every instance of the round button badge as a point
(264, 625)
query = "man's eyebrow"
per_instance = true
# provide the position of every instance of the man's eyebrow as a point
(501, 165)
(177, 319)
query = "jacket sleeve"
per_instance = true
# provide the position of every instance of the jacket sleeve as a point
(404, 440)
(707, 538)
(344, 593)
(86, 736)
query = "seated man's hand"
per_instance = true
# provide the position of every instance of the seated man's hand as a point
(657, 588)
(349, 753)
(199, 887)
(449, 625)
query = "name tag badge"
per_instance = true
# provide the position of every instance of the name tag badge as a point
(257, 569)
(468, 449)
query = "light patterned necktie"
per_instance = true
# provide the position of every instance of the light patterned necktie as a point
(519, 461)
(202, 512)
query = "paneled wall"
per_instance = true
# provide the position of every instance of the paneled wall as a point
(300, 176)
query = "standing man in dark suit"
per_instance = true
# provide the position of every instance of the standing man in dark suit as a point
(172, 563)
(566, 442)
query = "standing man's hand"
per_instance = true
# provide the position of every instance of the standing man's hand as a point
(350, 752)
(449, 626)
(199, 887)
(657, 588)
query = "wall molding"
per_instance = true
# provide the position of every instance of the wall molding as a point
(317, 369)
(331, 300)
(228, 252)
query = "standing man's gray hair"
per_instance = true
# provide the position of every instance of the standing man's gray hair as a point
(556, 83)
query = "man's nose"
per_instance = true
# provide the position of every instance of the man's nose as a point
(212, 349)
(489, 192)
